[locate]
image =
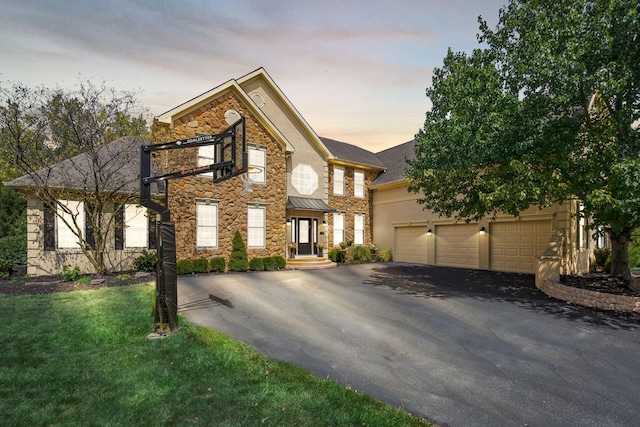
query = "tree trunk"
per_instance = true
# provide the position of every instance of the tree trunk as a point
(620, 254)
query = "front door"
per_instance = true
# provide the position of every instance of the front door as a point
(305, 241)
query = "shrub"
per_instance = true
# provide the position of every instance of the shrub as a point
(336, 255)
(201, 265)
(69, 275)
(123, 276)
(358, 254)
(218, 265)
(238, 260)
(270, 263)
(86, 280)
(256, 264)
(602, 259)
(13, 252)
(146, 262)
(634, 252)
(280, 262)
(386, 255)
(184, 266)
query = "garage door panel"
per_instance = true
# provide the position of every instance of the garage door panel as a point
(514, 246)
(411, 244)
(457, 245)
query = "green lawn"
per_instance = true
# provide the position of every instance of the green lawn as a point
(82, 358)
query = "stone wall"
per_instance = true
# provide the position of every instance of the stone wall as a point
(589, 298)
(349, 204)
(232, 201)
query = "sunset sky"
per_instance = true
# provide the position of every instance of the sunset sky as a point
(356, 70)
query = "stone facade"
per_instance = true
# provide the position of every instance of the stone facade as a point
(232, 201)
(350, 205)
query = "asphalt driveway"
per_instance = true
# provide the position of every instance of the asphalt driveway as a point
(458, 347)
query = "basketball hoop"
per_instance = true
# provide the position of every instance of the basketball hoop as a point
(247, 182)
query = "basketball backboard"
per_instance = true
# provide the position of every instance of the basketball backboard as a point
(231, 153)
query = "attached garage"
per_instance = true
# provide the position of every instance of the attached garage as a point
(411, 244)
(457, 245)
(514, 246)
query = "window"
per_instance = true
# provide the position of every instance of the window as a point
(338, 228)
(135, 231)
(338, 181)
(358, 184)
(206, 224)
(258, 159)
(66, 238)
(304, 179)
(206, 157)
(256, 227)
(358, 229)
(583, 229)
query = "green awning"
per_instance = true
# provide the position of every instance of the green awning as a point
(307, 204)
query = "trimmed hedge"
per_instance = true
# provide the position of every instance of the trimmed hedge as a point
(270, 263)
(218, 264)
(184, 266)
(201, 265)
(280, 262)
(256, 264)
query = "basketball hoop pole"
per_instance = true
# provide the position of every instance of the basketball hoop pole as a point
(166, 304)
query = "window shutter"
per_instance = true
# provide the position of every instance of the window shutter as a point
(88, 227)
(119, 229)
(49, 229)
(152, 230)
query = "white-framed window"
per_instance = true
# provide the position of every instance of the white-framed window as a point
(66, 238)
(358, 229)
(206, 157)
(206, 224)
(338, 228)
(136, 234)
(358, 184)
(258, 159)
(338, 181)
(256, 226)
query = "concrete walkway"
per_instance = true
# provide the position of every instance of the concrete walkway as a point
(459, 347)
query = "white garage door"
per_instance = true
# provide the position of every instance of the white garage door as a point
(457, 245)
(411, 244)
(514, 246)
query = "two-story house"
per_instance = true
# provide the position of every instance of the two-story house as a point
(306, 190)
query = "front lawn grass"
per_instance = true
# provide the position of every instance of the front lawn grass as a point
(82, 358)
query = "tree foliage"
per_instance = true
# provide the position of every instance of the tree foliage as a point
(546, 112)
(59, 140)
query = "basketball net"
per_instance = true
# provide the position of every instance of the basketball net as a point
(247, 182)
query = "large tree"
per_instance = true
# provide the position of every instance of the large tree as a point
(68, 146)
(545, 111)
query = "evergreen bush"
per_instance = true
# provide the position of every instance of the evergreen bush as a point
(602, 259)
(146, 262)
(201, 265)
(280, 262)
(13, 252)
(218, 264)
(184, 266)
(238, 260)
(270, 263)
(256, 264)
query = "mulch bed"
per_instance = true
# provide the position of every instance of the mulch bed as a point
(599, 282)
(51, 284)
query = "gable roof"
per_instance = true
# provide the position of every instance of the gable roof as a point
(395, 160)
(119, 170)
(344, 153)
(235, 86)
